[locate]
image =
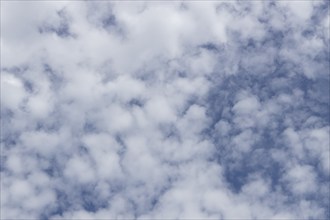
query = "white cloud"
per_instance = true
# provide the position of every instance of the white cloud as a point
(164, 110)
(302, 178)
(159, 110)
(41, 142)
(79, 169)
(14, 90)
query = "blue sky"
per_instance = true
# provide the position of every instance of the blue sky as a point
(165, 110)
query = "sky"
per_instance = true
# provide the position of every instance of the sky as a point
(165, 110)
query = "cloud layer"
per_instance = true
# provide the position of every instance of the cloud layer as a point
(165, 110)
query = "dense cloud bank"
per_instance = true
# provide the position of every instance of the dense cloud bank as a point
(176, 110)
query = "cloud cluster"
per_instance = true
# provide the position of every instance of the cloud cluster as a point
(165, 110)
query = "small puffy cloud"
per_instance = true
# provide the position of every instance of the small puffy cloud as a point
(159, 110)
(246, 105)
(41, 142)
(14, 89)
(302, 179)
(77, 170)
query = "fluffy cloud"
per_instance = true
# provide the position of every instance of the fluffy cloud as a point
(153, 110)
